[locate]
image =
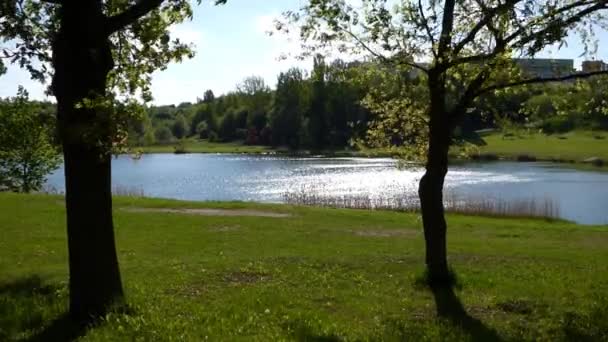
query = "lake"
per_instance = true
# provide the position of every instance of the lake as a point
(581, 196)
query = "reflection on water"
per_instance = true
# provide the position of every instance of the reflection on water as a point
(581, 196)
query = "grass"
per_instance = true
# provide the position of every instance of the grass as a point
(204, 146)
(572, 147)
(318, 275)
(192, 145)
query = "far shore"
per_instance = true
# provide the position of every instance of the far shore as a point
(584, 150)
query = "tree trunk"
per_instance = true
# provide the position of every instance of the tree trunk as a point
(431, 185)
(94, 274)
(82, 60)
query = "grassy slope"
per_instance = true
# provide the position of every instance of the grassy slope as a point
(203, 146)
(321, 275)
(576, 146)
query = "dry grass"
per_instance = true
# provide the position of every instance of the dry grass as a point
(470, 205)
(117, 190)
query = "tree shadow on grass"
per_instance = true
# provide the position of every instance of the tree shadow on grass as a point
(450, 308)
(27, 305)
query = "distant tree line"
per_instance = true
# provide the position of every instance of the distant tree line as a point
(327, 109)
(318, 110)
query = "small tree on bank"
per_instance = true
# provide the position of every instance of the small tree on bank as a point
(467, 47)
(27, 153)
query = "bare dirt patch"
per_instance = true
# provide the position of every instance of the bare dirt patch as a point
(210, 212)
(245, 277)
(222, 229)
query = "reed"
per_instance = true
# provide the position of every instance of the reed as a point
(470, 204)
(117, 190)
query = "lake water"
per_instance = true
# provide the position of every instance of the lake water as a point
(581, 196)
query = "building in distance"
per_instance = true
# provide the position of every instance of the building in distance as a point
(593, 66)
(545, 67)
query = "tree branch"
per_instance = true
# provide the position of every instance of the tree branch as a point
(425, 23)
(557, 22)
(537, 80)
(469, 95)
(131, 15)
(518, 39)
(379, 55)
(447, 27)
(489, 14)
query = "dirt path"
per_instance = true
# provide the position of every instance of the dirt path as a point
(209, 212)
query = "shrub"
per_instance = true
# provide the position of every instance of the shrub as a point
(163, 135)
(227, 127)
(202, 129)
(241, 134)
(180, 148)
(179, 127)
(557, 124)
(213, 137)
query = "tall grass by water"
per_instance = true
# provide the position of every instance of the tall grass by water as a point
(469, 204)
(117, 190)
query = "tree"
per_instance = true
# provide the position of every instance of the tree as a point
(317, 116)
(227, 129)
(289, 108)
(179, 127)
(27, 153)
(208, 97)
(468, 45)
(256, 97)
(202, 130)
(92, 49)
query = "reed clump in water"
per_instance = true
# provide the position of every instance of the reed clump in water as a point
(470, 205)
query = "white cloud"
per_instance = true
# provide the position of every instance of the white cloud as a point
(187, 34)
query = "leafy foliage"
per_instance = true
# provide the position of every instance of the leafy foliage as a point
(27, 152)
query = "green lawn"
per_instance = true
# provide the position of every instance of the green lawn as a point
(317, 275)
(573, 146)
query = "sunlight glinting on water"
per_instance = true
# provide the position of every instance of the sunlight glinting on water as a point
(581, 196)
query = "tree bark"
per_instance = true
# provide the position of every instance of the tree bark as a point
(430, 189)
(82, 60)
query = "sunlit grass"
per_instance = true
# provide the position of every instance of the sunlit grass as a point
(574, 146)
(318, 275)
(204, 146)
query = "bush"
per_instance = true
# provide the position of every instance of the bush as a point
(241, 133)
(179, 127)
(163, 135)
(149, 138)
(558, 124)
(212, 137)
(227, 129)
(202, 129)
(180, 148)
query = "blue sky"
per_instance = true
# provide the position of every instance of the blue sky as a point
(231, 44)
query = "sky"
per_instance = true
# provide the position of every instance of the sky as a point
(231, 43)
